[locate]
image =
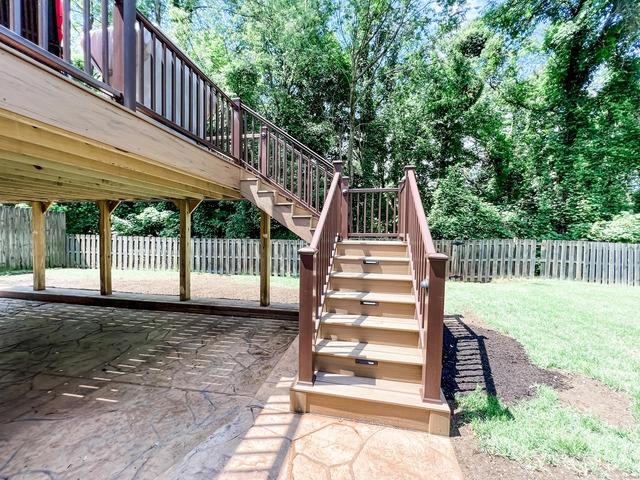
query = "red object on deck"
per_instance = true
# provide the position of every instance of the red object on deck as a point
(59, 19)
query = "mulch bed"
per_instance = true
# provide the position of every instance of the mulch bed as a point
(474, 355)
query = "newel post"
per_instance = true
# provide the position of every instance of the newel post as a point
(306, 320)
(264, 150)
(343, 230)
(236, 134)
(124, 51)
(433, 317)
(409, 170)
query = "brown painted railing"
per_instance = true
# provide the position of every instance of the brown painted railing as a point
(31, 27)
(124, 54)
(428, 269)
(315, 266)
(373, 212)
(174, 91)
(278, 156)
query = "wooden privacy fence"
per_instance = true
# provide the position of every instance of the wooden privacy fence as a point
(212, 255)
(15, 238)
(598, 262)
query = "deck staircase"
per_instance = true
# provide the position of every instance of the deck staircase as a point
(367, 353)
(371, 311)
(282, 206)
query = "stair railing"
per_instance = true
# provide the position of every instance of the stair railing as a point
(428, 270)
(123, 54)
(315, 267)
(373, 212)
(299, 171)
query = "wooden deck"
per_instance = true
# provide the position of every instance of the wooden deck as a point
(167, 303)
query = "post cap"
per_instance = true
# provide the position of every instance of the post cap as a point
(409, 167)
(437, 257)
(307, 251)
(337, 165)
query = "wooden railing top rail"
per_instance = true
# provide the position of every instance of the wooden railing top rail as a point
(412, 184)
(317, 235)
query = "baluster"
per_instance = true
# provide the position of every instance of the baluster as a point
(104, 6)
(66, 27)
(43, 24)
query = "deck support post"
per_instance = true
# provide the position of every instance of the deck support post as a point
(307, 310)
(265, 259)
(38, 243)
(106, 208)
(433, 326)
(186, 208)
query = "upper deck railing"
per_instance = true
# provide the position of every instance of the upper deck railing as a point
(111, 47)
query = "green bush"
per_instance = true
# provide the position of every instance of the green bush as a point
(151, 221)
(458, 213)
(621, 228)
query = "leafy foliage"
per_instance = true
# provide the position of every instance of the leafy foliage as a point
(523, 120)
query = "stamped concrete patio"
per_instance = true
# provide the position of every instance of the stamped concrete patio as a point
(96, 392)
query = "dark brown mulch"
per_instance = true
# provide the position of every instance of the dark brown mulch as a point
(478, 356)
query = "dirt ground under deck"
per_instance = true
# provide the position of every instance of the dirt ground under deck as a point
(203, 285)
(95, 392)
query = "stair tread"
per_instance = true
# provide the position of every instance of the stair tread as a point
(372, 296)
(360, 258)
(391, 392)
(394, 277)
(371, 321)
(369, 351)
(373, 242)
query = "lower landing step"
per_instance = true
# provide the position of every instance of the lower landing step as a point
(386, 402)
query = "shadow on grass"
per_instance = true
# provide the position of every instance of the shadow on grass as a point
(481, 406)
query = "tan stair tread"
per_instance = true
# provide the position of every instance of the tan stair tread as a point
(372, 297)
(370, 351)
(249, 179)
(370, 321)
(391, 392)
(372, 242)
(393, 277)
(362, 258)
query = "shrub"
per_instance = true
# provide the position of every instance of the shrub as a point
(624, 227)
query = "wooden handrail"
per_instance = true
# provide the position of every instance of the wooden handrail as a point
(315, 266)
(428, 270)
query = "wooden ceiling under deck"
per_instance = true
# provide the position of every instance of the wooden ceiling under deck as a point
(60, 141)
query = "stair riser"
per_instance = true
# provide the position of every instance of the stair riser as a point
(370, 335)
(383, 370)
(376, 286)
(382, 267)
(395, 416)
(378, 250)
(382, 309)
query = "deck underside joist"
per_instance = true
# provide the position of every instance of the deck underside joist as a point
(61, 142)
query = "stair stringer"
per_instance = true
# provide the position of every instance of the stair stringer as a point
(286, 210)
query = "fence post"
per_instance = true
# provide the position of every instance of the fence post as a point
(306, 314)
(433, 316)
(236, 134)
(124, 51)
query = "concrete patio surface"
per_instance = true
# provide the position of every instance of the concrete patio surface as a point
(96, 392)
(269, 442)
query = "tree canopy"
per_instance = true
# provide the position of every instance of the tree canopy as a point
(522, 118)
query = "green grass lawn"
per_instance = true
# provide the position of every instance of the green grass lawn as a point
(576, 327)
